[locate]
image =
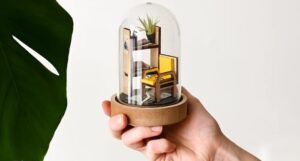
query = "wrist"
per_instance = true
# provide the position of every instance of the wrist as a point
(226, 151)
(229, 151)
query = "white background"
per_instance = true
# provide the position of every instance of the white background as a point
(240, 57)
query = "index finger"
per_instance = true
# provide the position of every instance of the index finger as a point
(106, 106)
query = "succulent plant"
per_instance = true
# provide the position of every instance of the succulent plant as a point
(148, 25)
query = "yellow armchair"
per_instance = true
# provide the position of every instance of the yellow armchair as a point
(162, 77)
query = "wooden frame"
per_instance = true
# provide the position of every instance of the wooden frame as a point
(176, 67)
(126, 60)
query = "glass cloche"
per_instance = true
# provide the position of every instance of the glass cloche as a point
(149, 57)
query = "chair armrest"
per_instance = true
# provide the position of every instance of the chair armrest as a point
(150, 71)
(172, 73)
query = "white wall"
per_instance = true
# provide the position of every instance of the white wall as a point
(241, 58)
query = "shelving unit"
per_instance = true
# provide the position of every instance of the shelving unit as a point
(131, 45)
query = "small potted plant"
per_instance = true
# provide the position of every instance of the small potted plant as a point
(149, 25)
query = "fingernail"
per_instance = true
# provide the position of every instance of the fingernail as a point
(156, 128)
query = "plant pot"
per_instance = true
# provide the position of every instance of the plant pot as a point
(151, 38)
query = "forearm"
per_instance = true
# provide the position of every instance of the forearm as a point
(229, 151)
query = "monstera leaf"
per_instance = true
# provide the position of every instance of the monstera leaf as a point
(32, 99)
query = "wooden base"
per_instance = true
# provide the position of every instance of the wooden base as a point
(150, 115)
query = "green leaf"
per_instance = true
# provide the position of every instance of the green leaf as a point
(142, 22)
(32, 99)
(141, 29)
(149, 25)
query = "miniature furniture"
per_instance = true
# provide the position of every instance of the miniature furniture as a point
(129, 66)
(149, 88)
(162, 77)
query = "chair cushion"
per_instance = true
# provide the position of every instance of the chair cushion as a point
(166, 63)
(152, 79)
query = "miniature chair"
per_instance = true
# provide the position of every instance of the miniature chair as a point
(162, 77)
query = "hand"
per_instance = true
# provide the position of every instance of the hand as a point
(197, 138)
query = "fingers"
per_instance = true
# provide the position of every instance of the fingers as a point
(189, 96)
(106, 107)
(156, 147)
(117, 124)
(134, 138)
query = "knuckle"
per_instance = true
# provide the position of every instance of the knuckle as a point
(150, 146)
(125, 140)
(140, 132)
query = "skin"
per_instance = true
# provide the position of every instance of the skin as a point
(197, 138)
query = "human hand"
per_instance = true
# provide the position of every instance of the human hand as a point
(197, 138)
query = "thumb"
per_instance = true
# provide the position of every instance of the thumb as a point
(187, 93)
(193, 102)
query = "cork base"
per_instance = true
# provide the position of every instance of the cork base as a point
(150, 115)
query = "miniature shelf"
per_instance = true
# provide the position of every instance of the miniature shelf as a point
(131, 44)
(147, 46)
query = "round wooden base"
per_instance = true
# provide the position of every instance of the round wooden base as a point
(150, 115)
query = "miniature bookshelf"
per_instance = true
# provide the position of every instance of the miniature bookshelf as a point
(130, 45)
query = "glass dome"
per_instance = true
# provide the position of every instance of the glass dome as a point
(149, 56)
